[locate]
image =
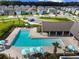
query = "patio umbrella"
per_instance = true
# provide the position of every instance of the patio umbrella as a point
(25, 51)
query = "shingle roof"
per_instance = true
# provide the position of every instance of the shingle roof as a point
(57, 26)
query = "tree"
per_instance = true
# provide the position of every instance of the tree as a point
(17, 17)
(4, 56)
(56, 45)
(29, 25)
(65, 50)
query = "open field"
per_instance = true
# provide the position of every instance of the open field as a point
(6, 25)
(55, 19)
(3, 17)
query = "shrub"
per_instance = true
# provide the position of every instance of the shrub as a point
(3, 56)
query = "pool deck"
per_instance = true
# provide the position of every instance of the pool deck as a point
(35, 34)
(11, 37)
(16, 51)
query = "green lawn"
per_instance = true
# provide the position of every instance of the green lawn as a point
(55, 19)
(3, 17)
(7, 23)
(4, 26)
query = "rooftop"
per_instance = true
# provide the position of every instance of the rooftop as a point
(57, 26)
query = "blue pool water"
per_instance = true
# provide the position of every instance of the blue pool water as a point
(24, 39)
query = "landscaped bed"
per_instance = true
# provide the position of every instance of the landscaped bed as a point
(4, 56)
(55, 19)
(47, 55)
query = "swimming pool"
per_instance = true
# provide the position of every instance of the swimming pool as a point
(23, 39)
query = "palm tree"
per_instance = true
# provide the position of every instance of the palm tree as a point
(65, 50)
(17, 17)
(56, 45)
(29, 25)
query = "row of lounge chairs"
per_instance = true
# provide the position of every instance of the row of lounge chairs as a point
(32, 53)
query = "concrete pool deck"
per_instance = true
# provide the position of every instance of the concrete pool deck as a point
(35, 34)
(16, 51)
(12, 36)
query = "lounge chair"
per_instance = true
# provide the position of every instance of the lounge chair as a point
(71, 48)
(25, 52)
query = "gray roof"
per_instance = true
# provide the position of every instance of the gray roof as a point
(57, 26)
(75, 30)
(62, 26)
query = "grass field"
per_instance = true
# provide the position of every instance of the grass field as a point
(6, 23)
(3, 17)
(55, 19)
(4, 26)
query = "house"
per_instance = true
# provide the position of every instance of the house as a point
(17, 9)
(33, 10)
(77, 12)
(1, 10)
(40, 10)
